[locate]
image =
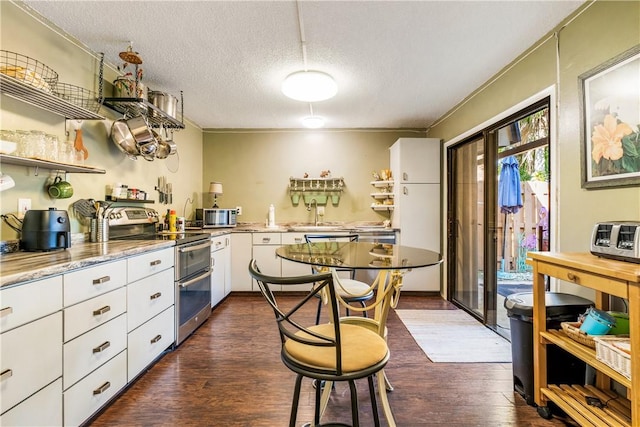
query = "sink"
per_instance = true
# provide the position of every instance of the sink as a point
(316, 227)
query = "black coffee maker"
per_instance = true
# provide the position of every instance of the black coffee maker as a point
(45, 230)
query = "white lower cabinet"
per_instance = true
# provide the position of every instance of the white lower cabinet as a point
(291, 268)
(42, 409)
(31, 358)
(95, 390)
(220, 268)
(91, 350)
(240, 257)
(149, 340)
(148, 297)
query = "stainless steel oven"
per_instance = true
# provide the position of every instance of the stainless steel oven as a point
(192, 264)
(193, 286)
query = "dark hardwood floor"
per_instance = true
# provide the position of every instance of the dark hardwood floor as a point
(229, 373)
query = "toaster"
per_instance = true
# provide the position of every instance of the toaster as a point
(617, 240)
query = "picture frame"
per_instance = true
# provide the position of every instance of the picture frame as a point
(610, 122)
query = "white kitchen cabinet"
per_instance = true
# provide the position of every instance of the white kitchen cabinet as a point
(42, 409)
(91, 350)
(148, 297)
(149, 263)
(31, 358)
(415, 165)
(84, 316)
(220, 268)
(95, 390)
(264, 252)
(290, 268)
(30, 301)
(83, 284)
(240, 257)
(148, 341)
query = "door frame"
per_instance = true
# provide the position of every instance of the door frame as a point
(549, 92)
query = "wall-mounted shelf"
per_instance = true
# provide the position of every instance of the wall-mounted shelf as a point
(132, 107)
(118, 200)
(384, 197)
(320, 189)
(47, 101)
(45, 164)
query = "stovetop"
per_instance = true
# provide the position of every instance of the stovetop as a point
(180, 238)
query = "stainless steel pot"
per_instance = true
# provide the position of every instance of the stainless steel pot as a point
(165, 102)
(122, 137)
(140, 130)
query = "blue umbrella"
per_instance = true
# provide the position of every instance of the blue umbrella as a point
(509, 197)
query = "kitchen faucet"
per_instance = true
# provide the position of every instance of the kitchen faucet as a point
(315, 219)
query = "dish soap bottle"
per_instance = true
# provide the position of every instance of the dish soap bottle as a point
(272, 216)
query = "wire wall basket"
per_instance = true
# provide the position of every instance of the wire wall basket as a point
(78, 96)
(28, 70)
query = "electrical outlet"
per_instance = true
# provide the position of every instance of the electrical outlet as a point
(320, 210)
(238, 210)
(23, 206)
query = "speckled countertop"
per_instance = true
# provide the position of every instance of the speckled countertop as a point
(19, 267)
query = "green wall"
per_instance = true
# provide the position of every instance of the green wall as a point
(255, 167)
(599, 31)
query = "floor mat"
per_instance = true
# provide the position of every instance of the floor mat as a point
(506, 289)
(453, 336)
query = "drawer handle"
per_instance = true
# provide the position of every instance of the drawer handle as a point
(298, 239)
(572, 277)
(266, 239)
(156, 295)
(102, 388)
(156, 262)
(218, 244)
(102, 310)
(156, 339)
(102, 347)
(101, 280)
(6, 374)
(6, 311)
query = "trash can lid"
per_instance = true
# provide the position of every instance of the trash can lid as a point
(557, 303)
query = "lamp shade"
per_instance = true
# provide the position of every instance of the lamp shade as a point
(309, 86)
(215, 188)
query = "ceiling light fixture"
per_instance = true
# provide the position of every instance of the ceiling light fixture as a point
(308, 85)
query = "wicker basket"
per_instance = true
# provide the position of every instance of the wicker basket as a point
(27, 70)
(572, 329)
(615, 351)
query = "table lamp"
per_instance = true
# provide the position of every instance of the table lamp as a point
(215, 188)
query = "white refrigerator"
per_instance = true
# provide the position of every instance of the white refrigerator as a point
(415, 166)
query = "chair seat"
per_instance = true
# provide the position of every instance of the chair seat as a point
(354, 290)
(361, 349)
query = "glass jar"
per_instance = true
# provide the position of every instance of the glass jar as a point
(53, 147)
(68, 153)
(24, 147)
(38, 143)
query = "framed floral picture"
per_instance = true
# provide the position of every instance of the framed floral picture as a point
(610, 113)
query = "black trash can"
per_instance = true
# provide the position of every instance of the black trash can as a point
(562, 367)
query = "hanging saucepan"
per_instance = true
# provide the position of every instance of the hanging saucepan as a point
(122, 137)
(140, 130)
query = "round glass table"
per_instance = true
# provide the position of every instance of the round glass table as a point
(390, 261)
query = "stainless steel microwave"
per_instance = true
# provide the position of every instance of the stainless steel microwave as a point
(214, 217)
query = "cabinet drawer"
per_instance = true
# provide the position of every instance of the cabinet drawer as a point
(293, 238)
(266, 238)
(148, 341)
(42, 409)
(93, 281)
(23, 303)
(219, 242)
(91, 350)
(90, 394)
(31, 358)
(148, 297)
(85, 316)
(150, 263)
(603, 284)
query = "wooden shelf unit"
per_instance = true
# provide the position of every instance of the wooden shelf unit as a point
(606, 277)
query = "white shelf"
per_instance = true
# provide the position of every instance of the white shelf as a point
(382, 183)
(377, 207)
(382, 195)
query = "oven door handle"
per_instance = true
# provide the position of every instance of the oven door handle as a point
(195, 247)
(195, 279)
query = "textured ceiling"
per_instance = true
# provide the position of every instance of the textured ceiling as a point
(397, 64)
